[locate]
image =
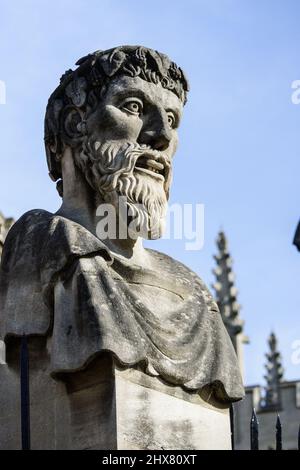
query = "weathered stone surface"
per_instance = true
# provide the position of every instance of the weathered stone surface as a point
(154, 415)
(10, 414)
(82, 280)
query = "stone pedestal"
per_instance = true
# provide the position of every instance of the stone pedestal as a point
(154, 415)
(106, 407)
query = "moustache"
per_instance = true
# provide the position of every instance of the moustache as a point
(113, 160)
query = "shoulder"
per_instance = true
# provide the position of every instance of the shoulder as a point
(29, 226)
(171, 263)
(31, 220)
(49, 239)
(25, 239)
(183, 272)
(35, 216)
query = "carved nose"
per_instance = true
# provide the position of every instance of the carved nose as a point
(158, 140)
(161, 142)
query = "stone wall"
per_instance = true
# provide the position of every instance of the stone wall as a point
(289, 416)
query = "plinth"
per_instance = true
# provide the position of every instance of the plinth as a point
(106, 407)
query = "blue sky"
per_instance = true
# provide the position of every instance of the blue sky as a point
(239, 139)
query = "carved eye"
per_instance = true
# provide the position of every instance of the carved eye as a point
(133, 106)
(171, 120)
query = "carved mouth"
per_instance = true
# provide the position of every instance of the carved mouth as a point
(152, 167)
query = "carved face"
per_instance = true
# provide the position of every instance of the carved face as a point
(130, 143)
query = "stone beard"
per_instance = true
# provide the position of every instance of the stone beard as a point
(114, 170)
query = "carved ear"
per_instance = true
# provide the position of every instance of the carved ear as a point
(73, 125)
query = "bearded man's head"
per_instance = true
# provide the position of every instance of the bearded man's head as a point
(119, 112)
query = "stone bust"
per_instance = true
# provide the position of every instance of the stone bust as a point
(110, 135)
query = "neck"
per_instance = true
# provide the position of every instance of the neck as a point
(81, 205)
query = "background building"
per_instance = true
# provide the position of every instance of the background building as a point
(277, 396)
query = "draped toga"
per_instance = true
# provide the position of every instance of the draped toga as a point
(59, 279)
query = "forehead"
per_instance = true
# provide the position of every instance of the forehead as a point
(123, 87)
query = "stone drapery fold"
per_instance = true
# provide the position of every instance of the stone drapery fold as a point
(58, 279)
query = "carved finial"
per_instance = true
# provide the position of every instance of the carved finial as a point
(254, 443)
(273, 377)
(278, 434)
(225, 290)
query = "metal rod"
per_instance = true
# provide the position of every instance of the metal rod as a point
(254, 444)
(25, 408)
(231, 412)
(299, 438)
(278, 434)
